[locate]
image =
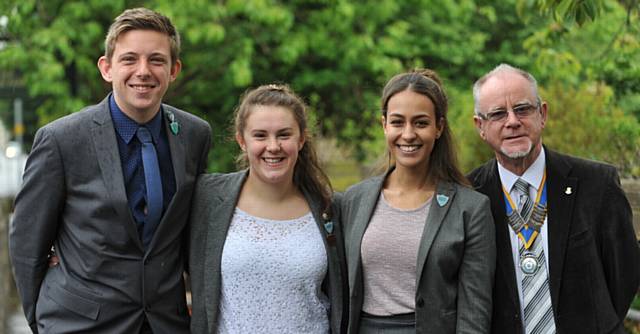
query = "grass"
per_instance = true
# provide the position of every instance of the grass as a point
(630, 326)
(343, 174)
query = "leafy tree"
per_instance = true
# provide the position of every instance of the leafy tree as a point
(55, 63)
(592, 126)
(337, 54)
(578, 11)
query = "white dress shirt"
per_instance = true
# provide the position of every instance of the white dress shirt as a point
(533, 175)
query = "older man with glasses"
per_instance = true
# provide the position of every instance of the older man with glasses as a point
(567, 257)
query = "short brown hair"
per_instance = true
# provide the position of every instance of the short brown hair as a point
(142, 19)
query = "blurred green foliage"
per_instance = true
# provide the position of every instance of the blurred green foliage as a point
(339, 53)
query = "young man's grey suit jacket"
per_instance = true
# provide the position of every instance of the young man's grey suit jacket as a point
(456, 258)
(74, 198)
(594, 260)
(214, 202)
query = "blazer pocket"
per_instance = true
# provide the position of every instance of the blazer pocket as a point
(579, 239)
(448, 321)
(74, 303)
(449, 313)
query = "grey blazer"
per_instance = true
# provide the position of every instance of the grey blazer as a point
(214, 202)
(456, 258)
(74, 197)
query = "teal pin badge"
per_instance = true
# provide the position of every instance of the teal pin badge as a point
(173, 124)
(328, 226)
(442, 199)
(175, 127)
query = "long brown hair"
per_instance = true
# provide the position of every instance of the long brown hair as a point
(443, 162)
(307, 174)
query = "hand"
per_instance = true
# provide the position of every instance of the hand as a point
(54, 260)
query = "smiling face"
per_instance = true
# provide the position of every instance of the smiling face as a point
(140, 72)
(411, 129)
(514, 138)
(271, 139)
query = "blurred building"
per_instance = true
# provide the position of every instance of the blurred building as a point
(14, 105)
(12, 160)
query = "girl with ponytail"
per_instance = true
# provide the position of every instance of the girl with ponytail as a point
(266, 251)
(419, 242)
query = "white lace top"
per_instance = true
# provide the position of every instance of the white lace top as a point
(272, 273)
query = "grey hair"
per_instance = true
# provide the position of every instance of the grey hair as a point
(502, 68)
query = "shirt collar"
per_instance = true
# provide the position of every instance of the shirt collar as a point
(533, 174)
(127, 128)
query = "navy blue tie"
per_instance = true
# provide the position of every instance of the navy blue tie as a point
(153, 184)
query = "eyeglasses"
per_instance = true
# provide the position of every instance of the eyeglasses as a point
(521, 111)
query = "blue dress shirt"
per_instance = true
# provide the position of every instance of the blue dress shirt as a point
(130, 150)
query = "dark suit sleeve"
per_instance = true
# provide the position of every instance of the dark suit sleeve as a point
(198, 235)
(35, 222)
(619, 247)
(475, 280)
(203, 162)
(343, 281)
(204, 155)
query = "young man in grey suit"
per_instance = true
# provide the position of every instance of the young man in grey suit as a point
(567, 257)
(110, 188)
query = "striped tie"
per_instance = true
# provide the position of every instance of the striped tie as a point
(538, 313)
(526, 204)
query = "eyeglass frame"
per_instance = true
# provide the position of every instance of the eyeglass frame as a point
(520, 111)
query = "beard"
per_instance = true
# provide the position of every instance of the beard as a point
(517, 154)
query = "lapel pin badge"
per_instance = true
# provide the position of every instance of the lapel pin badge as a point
(442, 199)
(173, 125)
(328, 226)
(568, 191)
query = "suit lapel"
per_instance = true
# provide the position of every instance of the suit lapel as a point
(177, 147)
(108, 157)
(360, 222)
(440, 205)
(178, 160)
(560, 207)
(318, 216)
(493, 189)
(218, 217)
